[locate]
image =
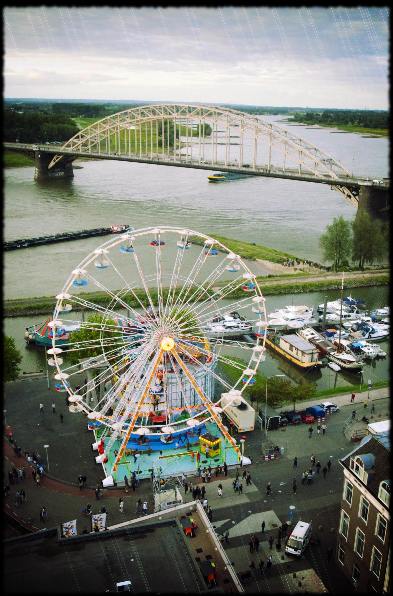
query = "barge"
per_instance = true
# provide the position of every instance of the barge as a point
(295, 349)
(63, 237)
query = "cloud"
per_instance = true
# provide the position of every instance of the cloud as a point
(148, 51)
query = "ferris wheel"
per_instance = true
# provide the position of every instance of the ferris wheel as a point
(172, 331)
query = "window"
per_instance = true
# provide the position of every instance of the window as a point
(384, 492)
(356, 465)
(355, 573)
(363, 509)
(359, 542)
(344, 524)
(381, 526)
(341, 554)
(376, 562)
(348, 492)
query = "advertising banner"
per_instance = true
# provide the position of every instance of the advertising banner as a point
(68, 529)
(98, 522)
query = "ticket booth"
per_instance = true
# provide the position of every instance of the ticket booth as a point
(211, 443)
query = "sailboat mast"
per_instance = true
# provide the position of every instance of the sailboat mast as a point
(341, 312)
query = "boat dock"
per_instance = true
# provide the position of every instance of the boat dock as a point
(63, 237)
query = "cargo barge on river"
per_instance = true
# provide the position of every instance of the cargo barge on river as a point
(63, 237)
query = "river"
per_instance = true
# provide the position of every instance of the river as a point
(286, 215)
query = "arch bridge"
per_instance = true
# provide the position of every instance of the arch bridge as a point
(201, 136)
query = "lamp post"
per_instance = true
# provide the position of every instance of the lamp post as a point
(242, 441)
(369, 385)
(47, 457)
(266, 402)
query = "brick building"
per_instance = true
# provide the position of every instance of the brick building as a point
(363, 545)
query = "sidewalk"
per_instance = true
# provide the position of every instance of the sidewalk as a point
(345, 398)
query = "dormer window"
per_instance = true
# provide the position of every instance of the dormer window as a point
(357, 466)
(384, 492)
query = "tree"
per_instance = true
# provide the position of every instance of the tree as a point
(336, 242)
(12, 357)
(369, 239)
(96, 328)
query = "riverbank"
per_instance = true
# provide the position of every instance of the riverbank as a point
(289, 284)
(375, 132)
(13, 159)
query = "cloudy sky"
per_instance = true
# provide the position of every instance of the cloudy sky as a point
(319, 57)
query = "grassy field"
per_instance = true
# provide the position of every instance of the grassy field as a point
(13, 159)
(379, 132)
(44, 305)
(251, 251)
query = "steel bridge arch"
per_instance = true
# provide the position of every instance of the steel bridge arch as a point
(108, 137)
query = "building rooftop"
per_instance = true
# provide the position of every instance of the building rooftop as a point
(299, 342)
(154, 554)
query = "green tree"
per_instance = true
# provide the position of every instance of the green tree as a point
(12, 357)
(336, 242)
(96, 329)
(370, 239)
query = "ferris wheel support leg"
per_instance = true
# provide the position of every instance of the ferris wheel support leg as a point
(136, 413)
(204, 399)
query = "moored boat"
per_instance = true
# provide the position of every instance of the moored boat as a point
(295, 349)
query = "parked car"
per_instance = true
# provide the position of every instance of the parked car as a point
(316, 411)
(306, 417)
(292, 417)
(329, 407)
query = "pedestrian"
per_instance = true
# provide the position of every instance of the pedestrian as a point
(126, 483)
(144, 508)
(219, 490)
(263, 526)
(310, 431)
(139, 506)
(248, 479)
(41, 408)
(324, 471)
(22, 495)
(251, 544)
(372, 408)
(295, 462)
(353, 414)
(261, 565)
(217, 471)
(203, 492)
(53, 408)
(269, 563)
(268, 489)
(205, 504)
(61, 418)
(256, 543)
(225, 469)
(271, 540)
(278, 544)
(313, 460)
(17, 498)
(210, 514)
(318, 466)
(304, 477)
(294, 487)
(240, 488)
(323, 428)
(84, 480)
(209, 475)
(203, 475)
(185, 488)
(244, 475)
(352, 398)
(98, 493)
(33, 473)
(38, 479)
(318, 429)
(20, 474)
(43, 514)
(329, 464)
(121, 505)
(284, 529)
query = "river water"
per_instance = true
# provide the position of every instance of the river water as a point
(282, 214)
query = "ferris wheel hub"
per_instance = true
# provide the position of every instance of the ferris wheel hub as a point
(167, 344)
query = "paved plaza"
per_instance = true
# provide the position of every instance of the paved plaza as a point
(70, 455)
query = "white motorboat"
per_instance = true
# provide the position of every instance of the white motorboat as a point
(374, 331)
(334, 366)
(231, 325)
(335, 306)
(333, 318)
(345, 359)
(291, 317)
(372, 351)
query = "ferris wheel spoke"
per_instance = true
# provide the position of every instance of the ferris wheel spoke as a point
(145, 286)
(94, 307)
(202, 289)
(197, 266)
(128, 288)
(103, 287)
(176, 371)
(159, 279)
(176, 272)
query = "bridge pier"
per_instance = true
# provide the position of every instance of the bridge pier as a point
(375, 201)
(62, 169)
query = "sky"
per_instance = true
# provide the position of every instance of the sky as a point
(333, 57)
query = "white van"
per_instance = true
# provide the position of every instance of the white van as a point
(299, 538)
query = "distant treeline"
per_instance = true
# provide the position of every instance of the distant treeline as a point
(362, 118)
(36, 126)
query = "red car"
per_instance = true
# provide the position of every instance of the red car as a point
(307, 418)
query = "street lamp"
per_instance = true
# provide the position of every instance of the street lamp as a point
(369, 385)
(242, 441)
(47, 457)
(266, 402)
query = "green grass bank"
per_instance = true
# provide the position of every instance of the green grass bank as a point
(13, 159)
